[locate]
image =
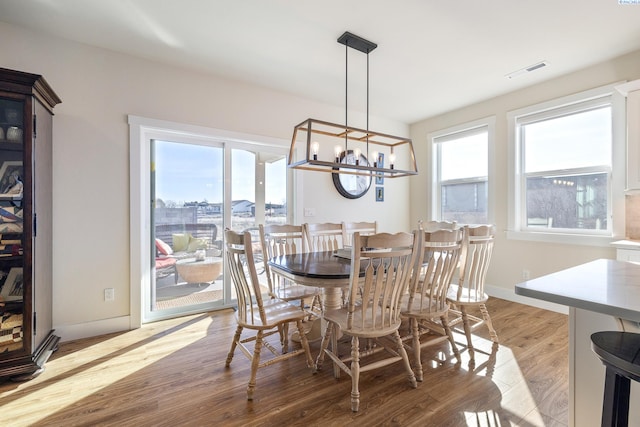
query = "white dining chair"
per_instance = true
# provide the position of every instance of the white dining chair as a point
(324, 236)
(382, 275)
(263, 317)
(363, 227)
(467, 292)
(438, 225)
(287, 239)
(425, 306)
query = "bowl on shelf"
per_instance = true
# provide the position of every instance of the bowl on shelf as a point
(14, 133)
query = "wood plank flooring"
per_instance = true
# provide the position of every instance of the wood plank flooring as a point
(172, 373)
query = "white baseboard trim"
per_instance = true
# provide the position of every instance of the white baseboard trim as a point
(510, 295)
(123, 323)
(92, 329)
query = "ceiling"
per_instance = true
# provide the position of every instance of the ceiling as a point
(432, 56)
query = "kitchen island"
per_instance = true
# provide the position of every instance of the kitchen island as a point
(598, 294)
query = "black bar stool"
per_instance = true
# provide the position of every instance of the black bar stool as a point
(620, 354)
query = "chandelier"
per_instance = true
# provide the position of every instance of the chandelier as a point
(344, 149)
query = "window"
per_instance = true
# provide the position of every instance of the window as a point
(461, 173)
(563, 157)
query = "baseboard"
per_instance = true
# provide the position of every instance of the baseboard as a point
(92, 329)
(510, 295)
(120, 324)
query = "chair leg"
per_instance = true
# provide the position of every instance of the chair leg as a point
(316, 304)
(285, 337)
(281, 335)
(355, 373)
(405, 359)
(615, 409)
(234, 343)
(305, 345)
(315, 307)
(467, 331)
(487, 321)
(335, 332)
(415, 331)
(302, 305)
(255, 362)
(323, 345)
(447, 329)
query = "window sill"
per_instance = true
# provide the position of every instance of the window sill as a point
(562, 238)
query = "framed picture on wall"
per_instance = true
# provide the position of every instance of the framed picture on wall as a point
(379, 194)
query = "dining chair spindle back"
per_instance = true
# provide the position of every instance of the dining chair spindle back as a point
(438, 225)
(324, 236)
(286, 239)
(363, 227)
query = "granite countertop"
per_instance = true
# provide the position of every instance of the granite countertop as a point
(604, 286)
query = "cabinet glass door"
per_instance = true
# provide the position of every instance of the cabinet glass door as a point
(11, 224)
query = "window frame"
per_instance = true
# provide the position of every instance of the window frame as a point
(583, 101)
(455, 132)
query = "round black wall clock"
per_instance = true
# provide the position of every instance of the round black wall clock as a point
(351, 186)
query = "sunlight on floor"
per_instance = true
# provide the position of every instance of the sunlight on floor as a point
(513, 401)
(504, 387)
(93, 368)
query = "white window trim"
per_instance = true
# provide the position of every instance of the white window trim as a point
(618, 174)
(433, 178)
(141, 131)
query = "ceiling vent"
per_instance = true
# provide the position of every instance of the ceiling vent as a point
(528, 69)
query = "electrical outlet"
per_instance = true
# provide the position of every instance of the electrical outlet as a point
(526, 274)
(309, 212)
(109, 294)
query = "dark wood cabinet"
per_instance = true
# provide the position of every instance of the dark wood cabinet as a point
(26, 117)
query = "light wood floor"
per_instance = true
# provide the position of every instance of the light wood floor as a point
(172, 373)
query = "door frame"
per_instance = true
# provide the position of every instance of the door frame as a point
(141, 131)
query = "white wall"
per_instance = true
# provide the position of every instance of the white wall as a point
(512, 256)
(99, 88)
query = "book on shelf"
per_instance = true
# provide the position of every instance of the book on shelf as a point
(8, 196)
(10, 250)
(10, 242)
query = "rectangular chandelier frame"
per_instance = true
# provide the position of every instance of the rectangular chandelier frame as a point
(325, 144)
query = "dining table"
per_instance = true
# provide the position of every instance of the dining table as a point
(324, 270)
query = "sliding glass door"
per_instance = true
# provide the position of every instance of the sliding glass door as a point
(187, 215)
(197, 189)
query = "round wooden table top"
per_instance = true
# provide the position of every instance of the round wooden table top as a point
(314, 265)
